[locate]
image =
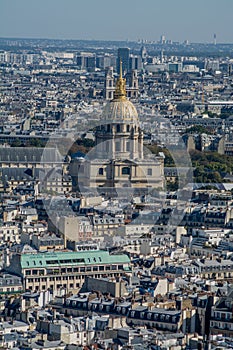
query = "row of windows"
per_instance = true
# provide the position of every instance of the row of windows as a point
(161, 317)
(59, 189)
(223, 315)
(59, 183)
(12, 289)
(68, 278)
(65, 261)
(73, 270)
(9, 231)
(119, 128)
(62, 261)
(71, 285)
(126, 171)
(222, 325)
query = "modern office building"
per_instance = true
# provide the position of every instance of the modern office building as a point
(86, 61)
(65, 269)
(123, 56)
(135, 62)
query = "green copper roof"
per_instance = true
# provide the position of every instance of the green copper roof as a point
(97, 257)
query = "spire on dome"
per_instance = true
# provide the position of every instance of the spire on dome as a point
(120, 91)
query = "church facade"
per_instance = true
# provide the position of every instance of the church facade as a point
(118, 159)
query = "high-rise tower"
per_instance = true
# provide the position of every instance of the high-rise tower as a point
(215, 39)
(123, 56)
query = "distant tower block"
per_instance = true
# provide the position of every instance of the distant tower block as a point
(162, 39)
(215, 39)
(123, 56)
(109, 84)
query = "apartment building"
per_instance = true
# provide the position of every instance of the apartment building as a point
(65, 269)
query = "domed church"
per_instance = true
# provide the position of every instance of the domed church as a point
(118, 159)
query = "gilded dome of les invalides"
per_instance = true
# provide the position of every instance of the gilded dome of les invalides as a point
(120, 109)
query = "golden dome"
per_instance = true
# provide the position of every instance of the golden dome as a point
(120, 110)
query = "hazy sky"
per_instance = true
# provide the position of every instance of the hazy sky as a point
(195, 20)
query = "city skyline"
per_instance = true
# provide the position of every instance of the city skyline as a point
(148, 20)
(116, 176)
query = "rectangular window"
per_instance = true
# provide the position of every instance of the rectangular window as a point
(118, 147)
(125, 171)
(149, 171)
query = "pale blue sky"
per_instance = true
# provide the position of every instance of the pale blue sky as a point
(195, 20)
